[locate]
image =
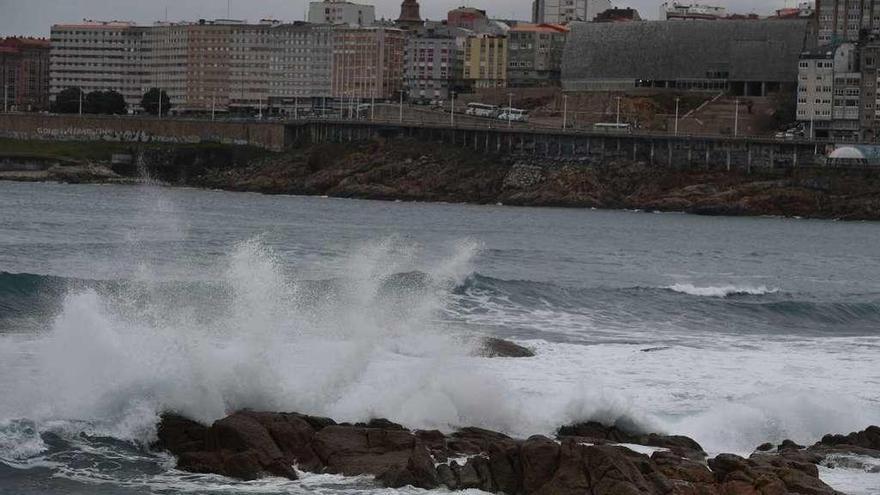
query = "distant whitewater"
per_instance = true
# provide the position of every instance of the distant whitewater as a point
(120, 303)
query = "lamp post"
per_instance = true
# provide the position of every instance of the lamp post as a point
(736, 119)
(401, 105)
(452, 110)
(509, 109)
(81, 103)
(564, 112)
(213, 106)
(677, 100)
(296, 108)
(618, 110)
(5, 96)
(373, 107)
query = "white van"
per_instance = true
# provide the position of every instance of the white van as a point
(481, 110)
(514, 115)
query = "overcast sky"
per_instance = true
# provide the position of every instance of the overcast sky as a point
(34, 17)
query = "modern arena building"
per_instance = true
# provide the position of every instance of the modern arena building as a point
(743, 57)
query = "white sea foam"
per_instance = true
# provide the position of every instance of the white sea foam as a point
(721, 291)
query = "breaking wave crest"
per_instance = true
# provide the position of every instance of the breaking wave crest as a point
(721, 291)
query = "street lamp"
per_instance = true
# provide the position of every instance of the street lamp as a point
(564, 112)
(401, 91)
(509, 109)
(736, 119)
(452, 110)
(618, 110)
(677, 100)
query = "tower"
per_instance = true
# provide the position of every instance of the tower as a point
(410, 16)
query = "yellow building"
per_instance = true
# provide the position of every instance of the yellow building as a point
(485, 61)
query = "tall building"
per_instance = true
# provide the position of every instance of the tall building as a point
(209, 65)
(368, 63)
(433, 62)
(24, 74)
(829, 92)
(99, 56)
(410, 16)
(564, 11)
(846, 20)
(485, 61)
(342, 12)
(534, 54)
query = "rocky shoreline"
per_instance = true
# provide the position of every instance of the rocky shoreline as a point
(582, 458)
(416, 171)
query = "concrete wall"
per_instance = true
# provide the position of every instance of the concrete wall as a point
(267, 135)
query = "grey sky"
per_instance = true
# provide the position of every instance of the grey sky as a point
(34, 17)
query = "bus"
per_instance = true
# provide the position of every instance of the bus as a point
(481, 110)
(612, 127)
(514, 115)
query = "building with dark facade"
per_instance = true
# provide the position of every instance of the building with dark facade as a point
(534, 55)
(748, 58)
(24, 74)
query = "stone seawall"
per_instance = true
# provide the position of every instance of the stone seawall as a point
(266, 135)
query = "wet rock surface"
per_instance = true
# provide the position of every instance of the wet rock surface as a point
(416, 171)
(583, 458)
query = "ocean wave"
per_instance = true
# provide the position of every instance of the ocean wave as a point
(721, 291)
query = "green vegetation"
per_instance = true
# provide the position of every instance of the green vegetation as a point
(70, 100)
(152, 99)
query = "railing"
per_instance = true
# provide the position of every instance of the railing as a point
(462, 122)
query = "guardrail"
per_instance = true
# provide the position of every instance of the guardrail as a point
(466, 123)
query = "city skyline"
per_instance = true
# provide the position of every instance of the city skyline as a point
(35, 17)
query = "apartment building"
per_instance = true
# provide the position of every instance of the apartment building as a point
(534, 56)
(98, 56)
(846, 20)
(485, 62)
(433, 61)
(24, 74)
(342, 12)
(368, 63)
(564, 11)
(209, 65)
(691, 11)
(829, 92)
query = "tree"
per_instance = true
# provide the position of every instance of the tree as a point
(68, 101)
(150, 101)
(105, 102)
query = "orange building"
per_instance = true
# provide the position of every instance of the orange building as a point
(368, 63)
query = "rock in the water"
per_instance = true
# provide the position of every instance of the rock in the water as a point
(248, 445)
(493, 347)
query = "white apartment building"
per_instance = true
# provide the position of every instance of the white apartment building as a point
(220, 65)
(694, 11)
(342, 12)
(563, 11)
(845, 20)
(829, 92)
(98, 56)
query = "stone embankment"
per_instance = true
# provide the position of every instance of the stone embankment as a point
(407, 170)
(417, 171)
(582, 458)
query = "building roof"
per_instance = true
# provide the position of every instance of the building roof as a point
(539, 28)
(90, 24)
(669, 51)
(847, 153)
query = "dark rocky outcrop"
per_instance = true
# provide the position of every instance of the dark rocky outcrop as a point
(492, 347)
(584, 458)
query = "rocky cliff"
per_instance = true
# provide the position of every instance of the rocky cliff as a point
(416, 171)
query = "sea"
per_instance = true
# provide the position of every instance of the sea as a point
(119, 303)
